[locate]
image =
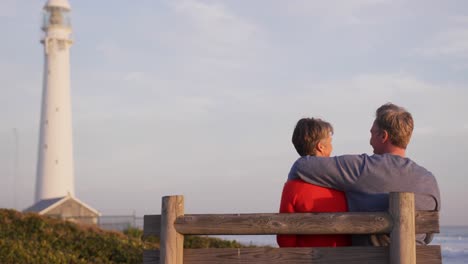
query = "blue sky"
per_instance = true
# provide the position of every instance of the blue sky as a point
(200, 97)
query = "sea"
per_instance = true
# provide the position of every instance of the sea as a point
(453, 240)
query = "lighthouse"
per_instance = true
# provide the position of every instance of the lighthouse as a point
(54, 175)
(55, 190)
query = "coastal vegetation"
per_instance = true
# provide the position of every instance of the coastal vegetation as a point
(30, 238)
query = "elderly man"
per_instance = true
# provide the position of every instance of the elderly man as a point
(367, 180)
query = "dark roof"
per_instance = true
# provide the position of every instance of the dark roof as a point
(42, 204)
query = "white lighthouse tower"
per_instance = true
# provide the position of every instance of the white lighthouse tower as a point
(55, 190)
(55, 151)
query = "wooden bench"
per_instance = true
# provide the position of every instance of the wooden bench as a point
(402, 222)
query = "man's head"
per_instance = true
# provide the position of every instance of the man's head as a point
(312, 137)
(391, 130)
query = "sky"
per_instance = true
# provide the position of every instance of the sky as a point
(199, 98)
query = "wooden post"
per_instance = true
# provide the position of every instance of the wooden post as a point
(172, 243)
(403, 244)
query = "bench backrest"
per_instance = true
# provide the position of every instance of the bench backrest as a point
(402, 222)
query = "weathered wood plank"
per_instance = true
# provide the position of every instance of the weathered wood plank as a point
(424, 255)
(287, 255)
(403, 244)
(152, 225)
(298, 223)
(429, 254)
(426, 222)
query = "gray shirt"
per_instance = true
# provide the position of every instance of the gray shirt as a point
(367, 181)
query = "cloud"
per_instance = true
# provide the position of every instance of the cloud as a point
(390, 83)
(211, 32)
(335, 12)
(369, 88)
(215, 21)
(434, 102)
(452, 43)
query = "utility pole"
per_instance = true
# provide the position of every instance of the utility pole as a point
(15, 167)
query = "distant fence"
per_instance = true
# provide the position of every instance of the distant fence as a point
(120, 222)
(402, 222)
(108, 222)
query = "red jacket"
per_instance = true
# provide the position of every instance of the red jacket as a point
(301, 197)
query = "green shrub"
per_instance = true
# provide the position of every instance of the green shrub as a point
(30, 238)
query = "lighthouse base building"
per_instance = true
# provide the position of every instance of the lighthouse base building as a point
(66, 208)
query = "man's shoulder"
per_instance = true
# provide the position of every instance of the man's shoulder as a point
(392, 159)
(382, 161)
(408, 163)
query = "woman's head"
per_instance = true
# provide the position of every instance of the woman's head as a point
(313, 137)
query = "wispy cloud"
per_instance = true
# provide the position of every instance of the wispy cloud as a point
(439, 101)
(215, 22)
(452, 43)
(391, 84)
(335, 12)
(214, 33)
(371, 87)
